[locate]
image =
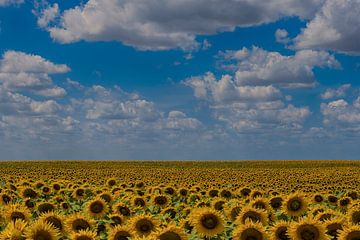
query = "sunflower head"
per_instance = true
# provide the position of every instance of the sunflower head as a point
(280, 231)
(120, 233)
(308, 229)
(97, 207)
(354, 215)
(351, 232)
(55, 219)
(84, 235)
(295, 205)
(250, 231)
(41, 230)
(77, 222)
(207, 222)
(252, 214)
(171, 232)
(144, 225)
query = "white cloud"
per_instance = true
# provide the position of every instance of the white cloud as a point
(10, 2)
(179, 121)
(159, 25)
(46, 14)
(282, 36)
(259, 67)
(335, 27)
(21, 71)
(226, 90)
(337, 92)
(341, 114)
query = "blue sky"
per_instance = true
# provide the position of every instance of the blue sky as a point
(181, 79)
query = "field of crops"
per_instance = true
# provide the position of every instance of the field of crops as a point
(247, 200)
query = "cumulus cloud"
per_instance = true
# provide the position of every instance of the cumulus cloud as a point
(341, 114)
(22, 71)
(226, 90)
(10, 2)
(143, 25)
(335, 27)
(257, 66)
(282, 36)
(337, 92)
(46, 13)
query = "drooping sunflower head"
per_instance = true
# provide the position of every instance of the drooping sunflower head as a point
(250, 231)
(143, 225)
(207, 222)
(41, 230)
(308, 229)
(97, 207)
(295, 205)
(111, 182)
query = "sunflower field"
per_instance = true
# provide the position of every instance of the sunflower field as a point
(178, 200)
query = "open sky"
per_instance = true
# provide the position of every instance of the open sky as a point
(180, 79)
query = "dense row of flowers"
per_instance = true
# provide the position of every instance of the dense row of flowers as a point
(39, 205)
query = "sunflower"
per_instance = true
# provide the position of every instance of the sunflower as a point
(111, 182)
(207, 222)
(161, 200)
(327, 215)
(171, 232)
(5, 198)
(115, 219)
(77, 222)
(107, 196)
(97, 207)
(14, 230)
(120, 233)
(121, 209)
(260, 203)
(45, 207)
(318, 198)
(354, 215)
(253, 214)
(308, 229)
(28, 192)
(350, 233)
(139, 202)
(276, 202)
(78, 193)
(334, 225)
(279, 231)
(17, 211)
(41, 231)
(233, 211)
(295, 205)
(143, 225)
(84, 235)
(250, 230)
(54, 218)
